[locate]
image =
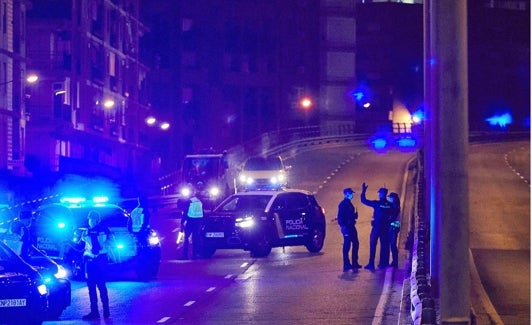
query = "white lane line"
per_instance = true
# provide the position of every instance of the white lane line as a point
(229, 276)
(190, 303)
(244, 264)
(211, 289)
(163, 320)
(383, 300)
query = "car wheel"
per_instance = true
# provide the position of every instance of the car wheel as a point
(316, 240)
(262, 247)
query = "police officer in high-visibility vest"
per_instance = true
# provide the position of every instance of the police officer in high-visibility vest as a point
(191, 221)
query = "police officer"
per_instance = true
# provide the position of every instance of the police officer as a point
(191, 221)
(347, 216)
(379, 227)
(393, 232)
(96, 239)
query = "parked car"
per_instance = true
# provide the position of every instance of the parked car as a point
(58, 228)
(23, 291)
(263, 173)
(257, 221)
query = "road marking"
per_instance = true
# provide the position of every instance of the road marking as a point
(244, 264)
(229, 276)
(163, 320)
(379, 311)
(211, 289)
(190, 303)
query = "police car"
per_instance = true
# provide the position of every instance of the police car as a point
(257, 221)
(23, 292)
(58, 228)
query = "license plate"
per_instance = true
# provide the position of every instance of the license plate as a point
(214, 234)
(12, 303)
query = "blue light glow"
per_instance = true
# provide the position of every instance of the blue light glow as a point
(406, 142)
(501, 121)
(379, 143)
(418, 116)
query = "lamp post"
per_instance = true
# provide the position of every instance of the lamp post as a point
(13, 122)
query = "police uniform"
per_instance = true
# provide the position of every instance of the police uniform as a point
(380, 224)
(191, 222)
(393, 231)
(95, 257)
(347, 216)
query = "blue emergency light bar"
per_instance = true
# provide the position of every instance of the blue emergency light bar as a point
(73, 201)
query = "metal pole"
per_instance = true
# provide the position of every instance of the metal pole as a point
(450, 208)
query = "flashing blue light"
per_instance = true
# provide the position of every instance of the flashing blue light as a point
(358, 95)
(406, 142)
(500, 120)
(418, 116)
(100, 199)
(72, 200)
(379, 143)
(61, 225)
(120, 246)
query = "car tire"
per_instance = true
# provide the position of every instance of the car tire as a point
(316, 240)
(262, 247)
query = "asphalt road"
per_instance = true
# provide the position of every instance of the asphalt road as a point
(499, 198)
(291, 286)
(296, 287)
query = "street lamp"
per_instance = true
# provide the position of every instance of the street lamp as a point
(30, 79)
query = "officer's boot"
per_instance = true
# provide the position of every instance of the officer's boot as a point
(94, 314)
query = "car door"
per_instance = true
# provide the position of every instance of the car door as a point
(290, 214)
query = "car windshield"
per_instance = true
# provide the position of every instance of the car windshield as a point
(8, 260)
(259, 163)
(200, 169)
(245, 202)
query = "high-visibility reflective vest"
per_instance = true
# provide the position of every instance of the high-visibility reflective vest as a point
(195, 209)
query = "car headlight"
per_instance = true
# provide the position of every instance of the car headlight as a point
(42, 289)
(153, 239)
(246, 180)
(246, 222)
(214, 191)
(185, 191)
(61, 273)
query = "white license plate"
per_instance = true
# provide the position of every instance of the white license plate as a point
(214, 234)
(12, 303)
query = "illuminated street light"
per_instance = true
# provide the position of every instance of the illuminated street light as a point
(150, 120)
(306, 102)
(164, 126)
(109, 103)
(30, 79)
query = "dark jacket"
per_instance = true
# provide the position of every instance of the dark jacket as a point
(347, 214)
(382, 211)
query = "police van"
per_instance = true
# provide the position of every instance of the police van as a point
(58, 227)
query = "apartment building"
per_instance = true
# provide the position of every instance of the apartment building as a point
(87, 112)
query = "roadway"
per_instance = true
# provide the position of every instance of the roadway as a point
(296, 287)
(499, 198)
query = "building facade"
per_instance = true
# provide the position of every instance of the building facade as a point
(13, 70)
(86, 114)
